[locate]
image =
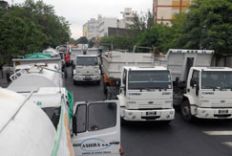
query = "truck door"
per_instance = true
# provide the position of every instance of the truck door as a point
(189, 64)
(96, 128)
(194, 84)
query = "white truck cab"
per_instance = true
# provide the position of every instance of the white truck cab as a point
(96, 128)
(87, 68)
(146, 94)
(208, 94)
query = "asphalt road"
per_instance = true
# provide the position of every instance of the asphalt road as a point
(179, 138)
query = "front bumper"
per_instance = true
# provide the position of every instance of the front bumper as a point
(213, 113)
(148, 115)
(86, 78)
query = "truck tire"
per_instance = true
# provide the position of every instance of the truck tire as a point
(74, 82)
(98, 82)
(105, 89)
(186, 111)
(65, 73)
(166, 122)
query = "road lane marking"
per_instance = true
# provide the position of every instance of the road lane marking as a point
(228, 144)
(218, 132)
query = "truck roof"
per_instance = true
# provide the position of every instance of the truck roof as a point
(36, 78)
(212, 68)
(190, 51)
(145, 68)
(88, 55)
(24, 128)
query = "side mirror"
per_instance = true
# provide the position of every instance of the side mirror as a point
(121, 89)
(193, 83)
(80, 118)
(118, 83)
(197, 89)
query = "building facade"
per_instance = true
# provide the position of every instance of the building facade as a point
(128, 16)
(4, 5)
(99, 27)
(165, 10)
(90, 29)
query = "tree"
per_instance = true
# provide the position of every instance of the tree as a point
(208, 25)
(158, 36)
(82, 40)
(56, 28)
(117, 42)
(30, 27)
(142, 22)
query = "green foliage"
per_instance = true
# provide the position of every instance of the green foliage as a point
(30, 27)
(118, 42)
(142, 22)
(208, 25)
(82, 40)
(158, 36)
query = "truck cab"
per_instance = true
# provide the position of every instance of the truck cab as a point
(96, 129)
(208, 94)
(87, 68)
(146, 94)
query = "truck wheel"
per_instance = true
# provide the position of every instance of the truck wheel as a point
(166, 122)
(123, 122)
(186, 111)
(105, 89)
(74, 82)
(65, 73)
(98, 82)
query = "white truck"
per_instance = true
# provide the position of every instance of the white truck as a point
(208, 94)
(87, 68)
(145, 93)
(179, 62)
(112, 64)
(93, 133)
(204, 92)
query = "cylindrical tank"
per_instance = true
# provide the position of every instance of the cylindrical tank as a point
(25, 130)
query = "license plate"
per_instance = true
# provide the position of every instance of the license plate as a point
(150, 113)
(223, 111)
(88, 78)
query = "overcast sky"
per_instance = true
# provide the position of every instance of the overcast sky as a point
(78, 12)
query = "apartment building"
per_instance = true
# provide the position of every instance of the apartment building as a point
(90, 29)
(99, 27)
(4, 5)
(165, 10)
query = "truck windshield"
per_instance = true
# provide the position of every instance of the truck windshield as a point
(149, 80)
(216, 80)
(87, 61)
